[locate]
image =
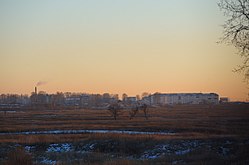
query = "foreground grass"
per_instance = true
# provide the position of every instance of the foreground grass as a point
(129, 151)
(203, 135)
(204, 119)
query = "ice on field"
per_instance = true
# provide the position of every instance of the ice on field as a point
(65, 147)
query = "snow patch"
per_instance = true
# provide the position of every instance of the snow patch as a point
(29, 148)
(182, 152)
(149, 156)
(178, 162)
(180, 148)
(224, 151)
(48, 161)
(11, 111)
(88, 131)
(66, 147)
(88, 147)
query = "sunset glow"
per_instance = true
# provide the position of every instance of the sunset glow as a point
(116, 46)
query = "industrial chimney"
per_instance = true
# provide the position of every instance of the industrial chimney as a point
(36, 90)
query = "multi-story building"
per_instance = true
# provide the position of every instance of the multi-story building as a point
(182, 98)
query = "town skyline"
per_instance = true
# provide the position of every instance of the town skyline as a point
(117, 47)
(41, 99)
(39, 84)
(118, 96)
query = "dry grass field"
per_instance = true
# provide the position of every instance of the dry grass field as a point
(199, 134)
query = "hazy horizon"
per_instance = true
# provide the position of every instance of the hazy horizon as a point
(115, 46)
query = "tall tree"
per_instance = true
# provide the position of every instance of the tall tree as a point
(236, 30)
(124, 96)
(145, 94)
(138, 97)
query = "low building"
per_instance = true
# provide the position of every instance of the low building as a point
(72, 101)
(184, 98)
(224, 100)
(147, 100)
(130, 100)
(84, 100)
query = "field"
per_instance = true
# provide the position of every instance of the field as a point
(182, 134)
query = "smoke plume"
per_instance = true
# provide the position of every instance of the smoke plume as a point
(41, 83)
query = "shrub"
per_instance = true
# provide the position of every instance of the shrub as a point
(19, 156)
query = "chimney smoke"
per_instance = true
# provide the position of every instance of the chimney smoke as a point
(41, 83)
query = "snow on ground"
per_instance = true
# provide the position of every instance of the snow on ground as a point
(224, 151)
(89, 147)
(88, 131)
(180, 148)
(64, 147)
(182, 152)
(48, 161)
(29, 148)
(178, 162)
(10, 111)
(55, 152)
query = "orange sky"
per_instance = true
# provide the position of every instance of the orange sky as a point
(116, 47)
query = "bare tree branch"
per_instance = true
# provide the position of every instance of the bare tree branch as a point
(236, 30)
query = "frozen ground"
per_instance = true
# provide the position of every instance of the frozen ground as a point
(10, 111)
(176, 151)
(173, 148)
(88, 131)
(64, 147)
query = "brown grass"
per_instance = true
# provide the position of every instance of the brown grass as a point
(18, 156)
(195, 121)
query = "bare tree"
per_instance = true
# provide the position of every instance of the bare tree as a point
(236, 30)
(138, 107)
(114, 109)
(124, 96)
(145, 94)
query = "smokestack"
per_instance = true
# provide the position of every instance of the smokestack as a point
(36, 90)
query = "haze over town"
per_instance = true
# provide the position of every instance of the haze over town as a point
(116, 47)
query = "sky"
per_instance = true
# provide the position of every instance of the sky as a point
(116, 46)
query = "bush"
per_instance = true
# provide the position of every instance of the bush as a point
(19, 156)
